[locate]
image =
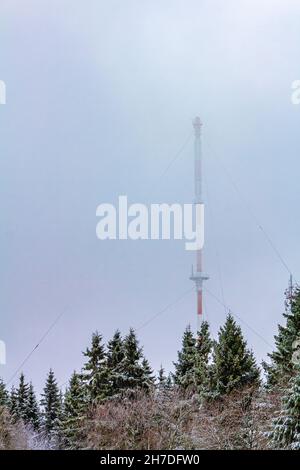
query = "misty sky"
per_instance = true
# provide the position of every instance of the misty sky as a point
(100, 97)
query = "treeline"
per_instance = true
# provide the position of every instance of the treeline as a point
(115, 370)
(214, 383)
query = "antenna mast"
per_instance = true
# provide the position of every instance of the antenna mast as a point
(197, 274)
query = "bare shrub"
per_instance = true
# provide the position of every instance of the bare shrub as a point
(12, 435)
(237, 421)
(147, 422)
(176, 421)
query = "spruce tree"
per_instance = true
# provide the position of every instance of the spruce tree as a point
(234, 365)
(164, 382)
(13, 404)
(286, 428)
(184, 375)
(22, 399)
(95, 370)
(4, 400)
(115, 356)
(131, 369)
(161, 378)
(282, 365)
(115, 350)
(33, 417)
(75, 404)
(202, 368)
(51, 409)
(169, 380)
(148, 378)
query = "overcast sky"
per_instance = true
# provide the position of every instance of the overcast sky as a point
(100, 97)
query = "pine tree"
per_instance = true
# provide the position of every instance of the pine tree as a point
(115, 356)
(286, 428)
(95, 370)
(75, 404)
(282, 364)
(52, 412)
(33, 417)
(4, 400)
(22, 399)
(184, 375)
(131, 369)
(234, 365)
(203, 348)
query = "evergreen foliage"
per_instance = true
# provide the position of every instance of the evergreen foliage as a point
(164, 382)
(287, 341)
(115, 356)
(161, 378)
(13, 403)
(23, 404)
(75, 404)
(148, 378)
(22, 399)
(131, 369)
(95, 371)
(4, 398)
(202, 368)
(51, 409)
(33, 417)
(206, 368)
(286, 428)
(234, 365)
(184, 375)
(192, 371)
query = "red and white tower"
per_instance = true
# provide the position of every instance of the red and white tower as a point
(198, 275)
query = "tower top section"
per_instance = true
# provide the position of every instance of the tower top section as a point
(197, 124)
